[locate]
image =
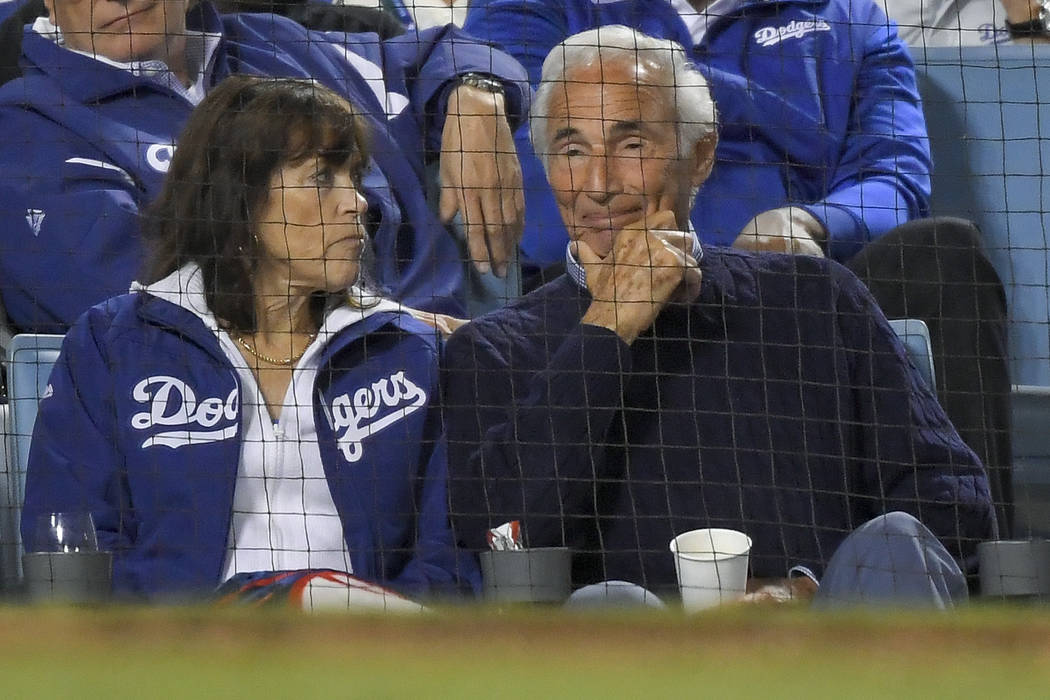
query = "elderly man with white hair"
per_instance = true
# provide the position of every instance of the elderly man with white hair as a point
(660, 386)
(823, 150)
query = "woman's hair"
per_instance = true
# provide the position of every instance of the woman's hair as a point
(235, 140)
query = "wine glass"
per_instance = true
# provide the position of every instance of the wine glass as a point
(66, 532)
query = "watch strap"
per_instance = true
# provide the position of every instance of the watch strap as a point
(481, 81)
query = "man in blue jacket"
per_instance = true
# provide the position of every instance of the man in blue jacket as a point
(822, 150)
(90, 127)
(661, 386)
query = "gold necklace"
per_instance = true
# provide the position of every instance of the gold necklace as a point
(272, 360)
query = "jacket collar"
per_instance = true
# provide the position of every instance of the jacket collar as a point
(87, 79)
(578, 275)
(184, 308)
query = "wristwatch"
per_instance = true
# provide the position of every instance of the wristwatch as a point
(481, 82)
(1036, 27)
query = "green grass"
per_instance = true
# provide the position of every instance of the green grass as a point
(760, 653)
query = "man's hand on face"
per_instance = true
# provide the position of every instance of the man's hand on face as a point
(784, 230)
(650, 264)
(481, 177)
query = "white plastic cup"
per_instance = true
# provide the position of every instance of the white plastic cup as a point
(711, 565)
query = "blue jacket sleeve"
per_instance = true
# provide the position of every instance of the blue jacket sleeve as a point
(526, 29)
(421, 66)
(74, 464)
(66, 215)
(525, 441)
(910, 457)
(882, 177)
(438, 568)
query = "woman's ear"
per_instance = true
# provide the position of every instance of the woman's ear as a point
(703, 159)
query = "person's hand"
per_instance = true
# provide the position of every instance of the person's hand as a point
(481, 177)
(798, 589)
(1021, 12)
(783, 230)
(648, 266)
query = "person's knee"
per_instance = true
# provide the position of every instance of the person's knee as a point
(613, 594)
(894, 523)
(932, 268)
(895, 541)
(953, 243)
(892, 558)
(945, 233)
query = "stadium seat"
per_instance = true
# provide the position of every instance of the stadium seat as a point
(915, 335)
(5, 334)
(988, 116)
(29, 361)
(8, 508)
(1031, 467)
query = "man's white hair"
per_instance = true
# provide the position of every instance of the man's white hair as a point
(613, 43)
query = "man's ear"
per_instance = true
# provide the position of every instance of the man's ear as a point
(703, 158)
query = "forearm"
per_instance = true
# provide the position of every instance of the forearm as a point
(435, 75)
(84, 249)
(526, 29)
(468, 101)
(437, 568)
(855, 214)
(882, 176)
(532, 458)
(1025, 20)
(73, 461)
(623, 320)
(915, 461)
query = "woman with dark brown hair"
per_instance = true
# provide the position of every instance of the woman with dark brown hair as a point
(251, 406)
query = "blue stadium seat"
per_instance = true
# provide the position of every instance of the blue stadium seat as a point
(8, 507)
(29, 361)
(6, 334)
(915, 335)
(988, 115)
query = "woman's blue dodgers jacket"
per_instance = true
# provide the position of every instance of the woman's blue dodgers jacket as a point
(158, 473)
(817, 101)
(86, 145)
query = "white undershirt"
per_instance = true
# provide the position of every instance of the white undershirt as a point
(283, 513)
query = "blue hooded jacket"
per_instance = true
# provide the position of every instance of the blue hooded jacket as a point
(85, 146)
(142, 427)
(817, 101)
